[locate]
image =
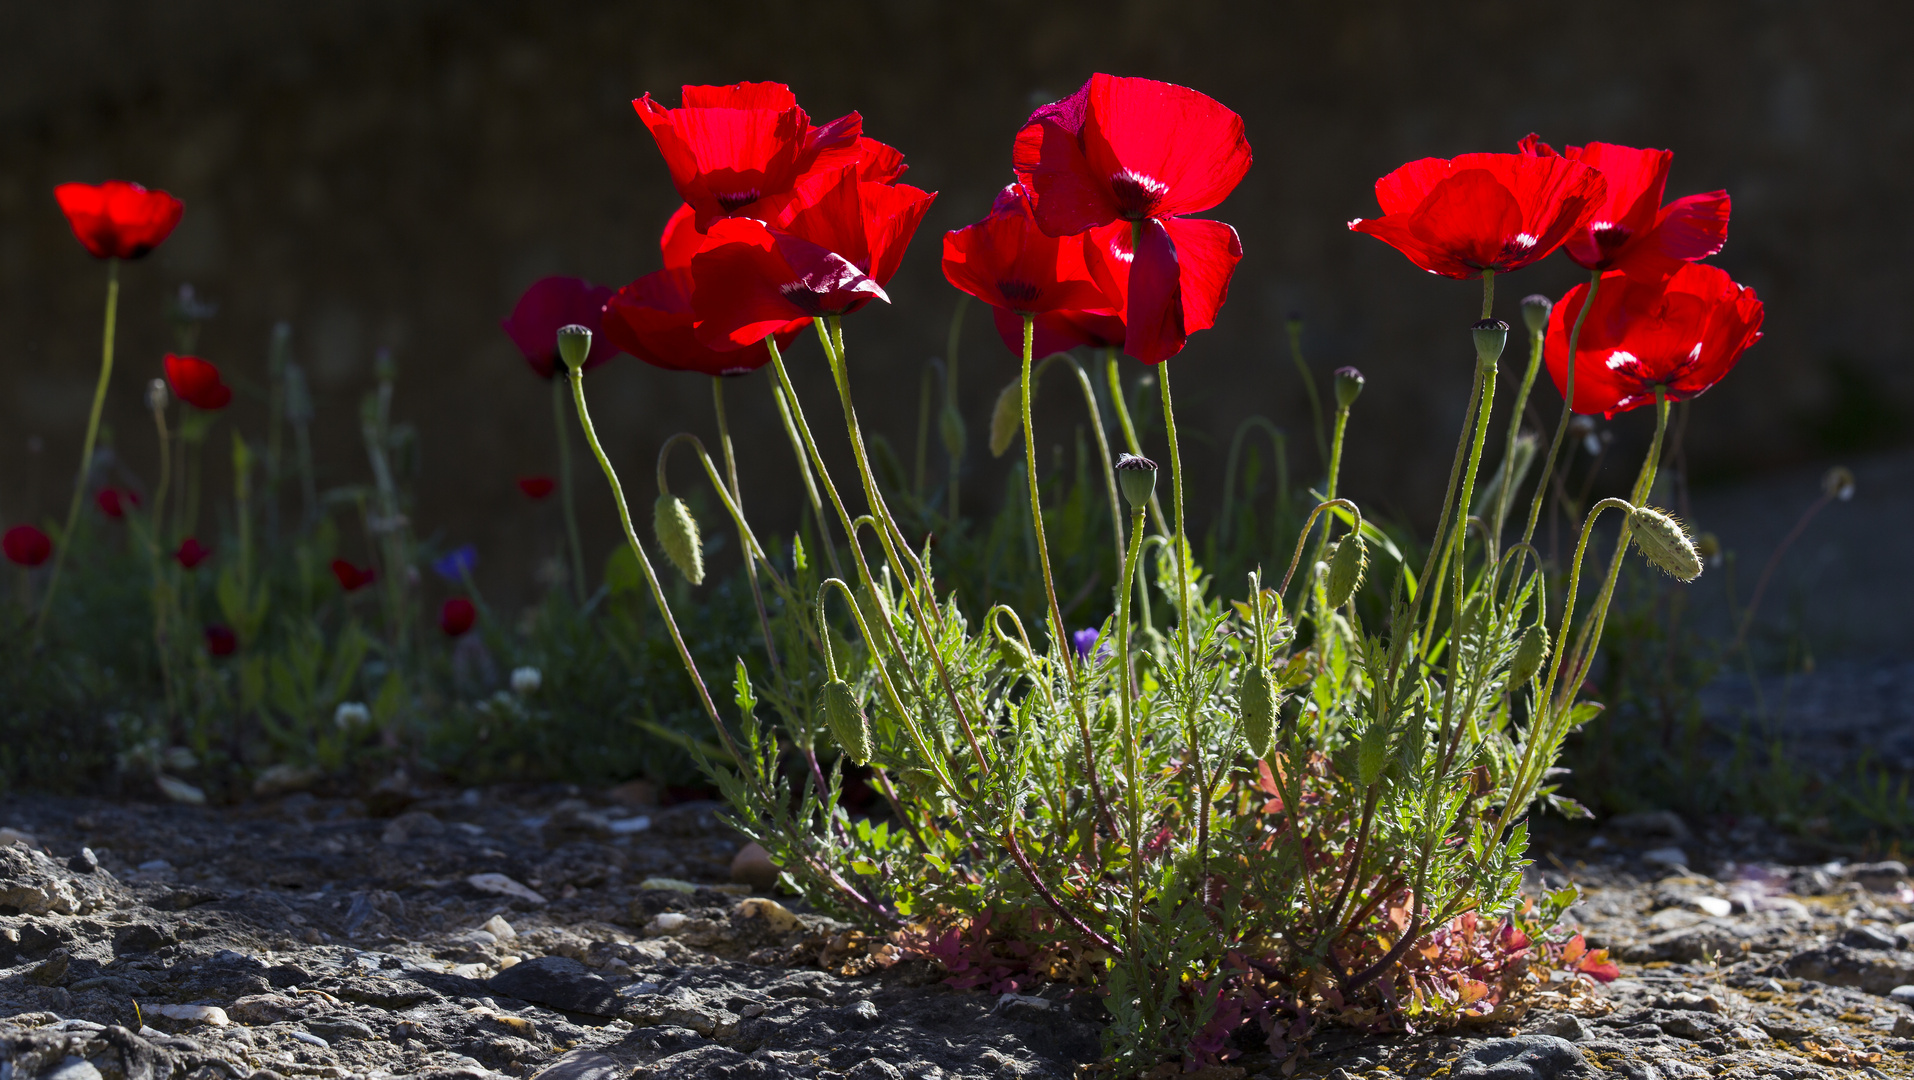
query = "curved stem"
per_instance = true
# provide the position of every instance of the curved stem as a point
(1186, 637)
(804, 473)
(565, 489)
(86, 444)
(1229, 470)
(1509, 479)
(1568, 410)
(1310, 523)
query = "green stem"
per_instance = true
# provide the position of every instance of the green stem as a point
(950, 392)
(1309, 384)
(750, 545)
(804, 473)
(1185, 634)
(1114, 378)
(565, 490)
(86, 445)
(1568, 411)
(1509, 479)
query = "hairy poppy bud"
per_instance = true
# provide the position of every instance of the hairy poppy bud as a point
(1136, 475)
(1529, 654)
(1665, 544)
(677, 533)
(1346, 565)
(1838, 483)
(1349, 384)
(1257, 702)
(1535, 312)
(951, 426)
(1491, 336)
(574, 342)
(156, 395)
(848, 724)
(1006, 419)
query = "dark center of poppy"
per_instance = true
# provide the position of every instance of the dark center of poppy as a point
(1610, 236)
(733, 201)
(1018, 292)
(1137, 195)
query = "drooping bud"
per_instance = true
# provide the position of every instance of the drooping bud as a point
(1535, 312)
(1708, 546)
(1837, 484)
(1491, 337)
(848, 724)
(1529, 654)
(1257, 704)
(950, 424)
(1136, 475)
(1346, 566)
(1665, 544)
(677, 533)
(1349, 383)
(1006, 418)
(156, 396)
(574, 342)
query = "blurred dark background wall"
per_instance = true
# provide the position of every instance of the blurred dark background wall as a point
(394, 172)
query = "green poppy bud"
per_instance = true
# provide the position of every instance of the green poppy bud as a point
(1535, 312)
(1136, 475)
(1346, 566)
(1491, 336)
(848, 724)
(1349, 383)
(1256, 701)
(1006, 419)
(1529, 654)
(677, 533)
(574, 342)
(156, 395)
(1665, 544)
(950, 424)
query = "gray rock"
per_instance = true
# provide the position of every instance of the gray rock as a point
(1903, 994)
(874, 1069)
(561, 983)
(1841, 965)
(73, 1068)
(859, 1016)
(338, 1028)
(36, 885)
(1565, 1026)
(85, 862)
(1880, 877)
(52, 970)
(581, 1065)
(1659, 824)
(1870, 937)
(1525, 1057)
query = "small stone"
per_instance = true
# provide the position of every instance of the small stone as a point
(559, 982)
(52, 970)
(859, 1016)
(1869, 937)
(500, 885)
(179, 790)
(779, 917)
(1714, 905)
(1656, 823)
(1904, 1027)
(1666, 856)
(629, 826)
(499, 928)
(411, 826)
(193, 1014)
(309, 1039)
(752, 866)
(874, 1069)
(73, 1068)
(1903, 994)
(1525, 1057)
(283, 780)
(1881, 877)
(339, 1029)
(85, 862)
(581, 1065)
(1565, 1026)
(667, 922)
(640, 793)
(667, 884)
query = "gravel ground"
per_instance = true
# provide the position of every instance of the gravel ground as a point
(544, 933)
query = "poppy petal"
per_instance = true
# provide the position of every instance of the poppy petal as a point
(1206, 255)
(750, 281)
(1693, 226)
(1164, 149)
(1153, 322)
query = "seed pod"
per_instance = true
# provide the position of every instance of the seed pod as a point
(1346, 566)
(1529, 654)
(1349, 383)
(1665, 544)
(1491, 335)
(1136, 477)
(1257, 701)
(849, 726)
(677, 533)
(574, 344)
(1535, 312)
(1006, 418)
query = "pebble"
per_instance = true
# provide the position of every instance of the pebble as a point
(1903, 994)
(193, 1014)
(1525, 1057)
(752, 865)
(668, 884)
(1714, 905)
(779, 917)
(581, 1065)
(627, 826)
(499, 928)
(309, 1039)
(501, 885)
(1666, 856)
(1869, 937)
(73, 1068)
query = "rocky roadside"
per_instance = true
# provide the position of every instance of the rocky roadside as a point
(548, 933)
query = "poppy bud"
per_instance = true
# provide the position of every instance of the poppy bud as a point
(1136, 475)
(156, 395)
(951, 426)
(1346, 566)
(1665, 544)
(1535, 312)
(1349, 384)
(1838, 483)
(677, 533)
(1257, 704)
(1491, 336)
(848, 724)
(1006, 419)
(1529, 654)
(574, 342)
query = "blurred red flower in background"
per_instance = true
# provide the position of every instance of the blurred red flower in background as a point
(191, 552)
(1460, 216)
(113, 501)
(352, 578)
(221, 641)
(117, 219)
(1144, 152)
(457, 616)
(1631, 228)
(26, 546)
(1681, 334)
(549, 304)
(197, 382)
(536, 487)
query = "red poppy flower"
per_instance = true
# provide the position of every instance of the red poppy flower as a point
(117, 219)
(1145, 152)
(1460, 216)
(1632, 228)
(221, 641)
(197, 382)
(826, 249)
(26, 546)
(191, 552)
(113, 502)
(729, 146)
(1007, 262)
(352, 578)
(1058, 331)
(457, 616)
(555, 302)
(1680, 334)
(536, 487)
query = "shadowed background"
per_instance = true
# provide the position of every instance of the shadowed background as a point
(394, 173)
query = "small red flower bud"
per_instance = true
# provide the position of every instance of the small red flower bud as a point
(457, 616)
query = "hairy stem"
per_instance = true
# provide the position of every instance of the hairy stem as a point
(86, 444)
